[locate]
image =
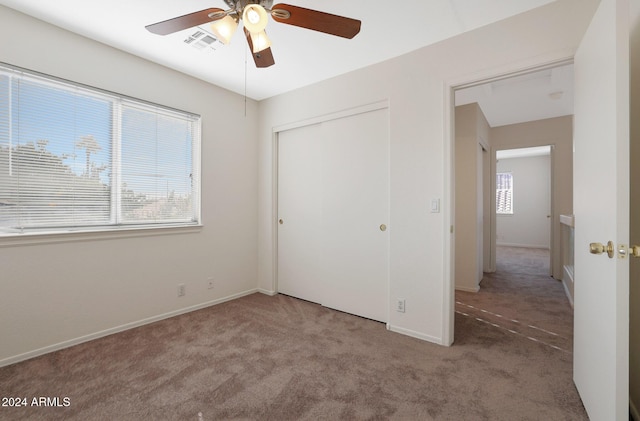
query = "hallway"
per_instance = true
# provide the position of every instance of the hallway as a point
(522, 299)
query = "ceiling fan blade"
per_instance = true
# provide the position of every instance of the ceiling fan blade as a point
(317, 21)
(190, 20)
(262, 59)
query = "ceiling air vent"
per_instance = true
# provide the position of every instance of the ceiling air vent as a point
(203, 40)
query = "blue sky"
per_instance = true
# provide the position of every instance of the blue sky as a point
(62, 118)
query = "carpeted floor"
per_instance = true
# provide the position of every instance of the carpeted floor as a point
(522, 298)
(279, 358)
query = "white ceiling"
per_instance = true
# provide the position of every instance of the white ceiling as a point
(302, 57)
(523, 152)
(533, 96)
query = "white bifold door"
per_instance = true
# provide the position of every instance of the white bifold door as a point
(333, 213)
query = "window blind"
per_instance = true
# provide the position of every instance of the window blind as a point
(504, 193)
(74, 158)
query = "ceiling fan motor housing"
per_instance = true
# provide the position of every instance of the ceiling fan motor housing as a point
(238, 5)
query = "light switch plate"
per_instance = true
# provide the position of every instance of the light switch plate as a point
(435, 205)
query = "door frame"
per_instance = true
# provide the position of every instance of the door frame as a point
(449, 88)
(552, 204)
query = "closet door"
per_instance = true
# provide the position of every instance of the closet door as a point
(356, 214)
(333, 201)
(300, 212)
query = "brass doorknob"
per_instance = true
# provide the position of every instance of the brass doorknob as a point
(599, 248)
(383, 227)
(634, 251)
(280, 221)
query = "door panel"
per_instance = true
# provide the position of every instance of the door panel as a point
(300, 210)
(333, 196)
(601, 207)
(356, 204)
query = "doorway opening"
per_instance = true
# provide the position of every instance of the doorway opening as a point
(524, 209)
(524, 124)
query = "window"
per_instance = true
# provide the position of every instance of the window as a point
(504, 193)
(74, 158)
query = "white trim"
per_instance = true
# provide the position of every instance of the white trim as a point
(417, 335)
(568, 220)
(379, 105)
(448, 202)
(29, 239)
(468, 289)
(117, 329)
(529, 246)
(275, 156)
(270, 293)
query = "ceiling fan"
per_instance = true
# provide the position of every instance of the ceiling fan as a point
(254, 15)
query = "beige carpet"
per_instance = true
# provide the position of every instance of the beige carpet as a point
(279, 358)
(521, 298)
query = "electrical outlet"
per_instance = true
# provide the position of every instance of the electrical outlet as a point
(400, 305)
(210, 283)
(182, 290)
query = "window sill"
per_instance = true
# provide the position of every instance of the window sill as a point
(37, 238)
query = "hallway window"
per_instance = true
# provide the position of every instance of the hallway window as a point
(504, 193)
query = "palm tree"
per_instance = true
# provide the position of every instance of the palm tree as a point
(90, 145)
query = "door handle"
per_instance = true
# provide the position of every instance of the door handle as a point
(599, 248)
(623, 250)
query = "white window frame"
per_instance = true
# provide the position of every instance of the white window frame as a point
(508, 193)
(115, 227)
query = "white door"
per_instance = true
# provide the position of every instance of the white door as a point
(300, 212)
(601, 207)
(333, 200)
(634, 270)
(356, 213)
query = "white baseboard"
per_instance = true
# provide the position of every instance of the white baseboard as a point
(567, 292)
(529, 246)
(414, 334)
(467, 289)
(267, 292)
(86, 338)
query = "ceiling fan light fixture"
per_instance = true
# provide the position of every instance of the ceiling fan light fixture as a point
(255, 18)
(260, 41)
(224, 28)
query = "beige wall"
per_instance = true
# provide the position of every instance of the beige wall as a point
(557, 132)
(57, 292)
(471, 125)
(416, 87)
(471, 131)
(528, 226)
